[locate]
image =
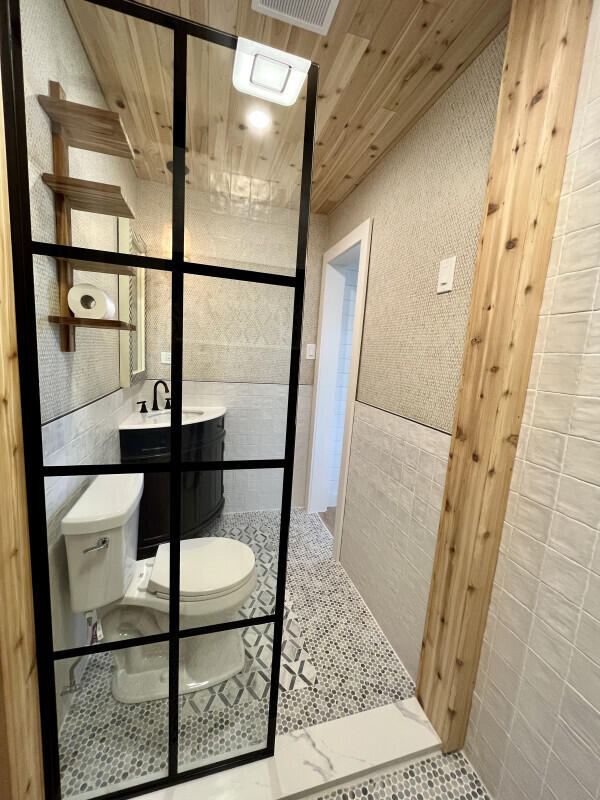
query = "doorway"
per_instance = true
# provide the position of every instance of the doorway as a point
(343, 296)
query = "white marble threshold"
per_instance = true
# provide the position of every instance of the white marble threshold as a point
(321, 757)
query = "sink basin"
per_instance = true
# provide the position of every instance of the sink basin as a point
(162, 419)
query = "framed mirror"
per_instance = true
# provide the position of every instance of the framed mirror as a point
(132, 309)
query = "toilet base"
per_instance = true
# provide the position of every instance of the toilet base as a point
(142, 673)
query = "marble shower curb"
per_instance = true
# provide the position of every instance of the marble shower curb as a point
(321, 757)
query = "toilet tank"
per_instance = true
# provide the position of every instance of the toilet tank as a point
(100, 534)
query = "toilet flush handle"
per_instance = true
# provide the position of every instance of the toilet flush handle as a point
(101, 544)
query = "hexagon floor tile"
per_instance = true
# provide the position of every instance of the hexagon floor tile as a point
(335, 662)
(440, 777)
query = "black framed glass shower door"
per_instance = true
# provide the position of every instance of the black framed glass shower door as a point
(191, 279)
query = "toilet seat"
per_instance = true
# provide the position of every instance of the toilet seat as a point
(211, 567)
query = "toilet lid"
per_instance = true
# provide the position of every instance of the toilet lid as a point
(209, 566)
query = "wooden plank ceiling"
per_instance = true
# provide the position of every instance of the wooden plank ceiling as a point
(383, 64)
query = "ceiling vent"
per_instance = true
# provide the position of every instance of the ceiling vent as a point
(314, 15)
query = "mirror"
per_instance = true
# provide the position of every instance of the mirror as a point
(132, 309)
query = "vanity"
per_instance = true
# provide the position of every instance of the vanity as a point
(146, 439)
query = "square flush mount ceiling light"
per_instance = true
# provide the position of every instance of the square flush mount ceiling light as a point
(268, 73)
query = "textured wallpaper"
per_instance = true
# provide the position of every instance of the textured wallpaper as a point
(426, 200)
(52, 51)
(233, 330)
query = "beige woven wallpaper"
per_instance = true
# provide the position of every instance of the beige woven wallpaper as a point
(426, 201)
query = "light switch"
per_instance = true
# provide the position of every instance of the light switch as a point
(446, 275)
(165, 358)
(311, 351)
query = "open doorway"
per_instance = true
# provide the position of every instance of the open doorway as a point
(343, 295)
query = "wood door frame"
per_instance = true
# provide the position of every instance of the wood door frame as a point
(361, 235)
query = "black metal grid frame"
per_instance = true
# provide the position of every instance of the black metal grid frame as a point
(24, 248)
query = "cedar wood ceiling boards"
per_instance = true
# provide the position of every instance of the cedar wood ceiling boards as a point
(382, 65)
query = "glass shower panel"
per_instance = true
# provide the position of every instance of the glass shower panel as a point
(236, 367)
(243, 182)
(228, 718)
(106, 742)
(229, 545)
(102, 102)
(103, 532)
(99, 108)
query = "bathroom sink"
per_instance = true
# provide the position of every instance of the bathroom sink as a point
(162, 419)
(147, 437)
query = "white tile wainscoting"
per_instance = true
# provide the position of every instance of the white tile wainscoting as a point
(88, 435)
(394, 496)
(535, 723)
(255, 428)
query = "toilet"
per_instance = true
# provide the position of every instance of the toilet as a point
(131, 598)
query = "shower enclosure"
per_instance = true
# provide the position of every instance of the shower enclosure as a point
(224, 219)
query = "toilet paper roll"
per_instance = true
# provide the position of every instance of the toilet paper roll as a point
(88, 301)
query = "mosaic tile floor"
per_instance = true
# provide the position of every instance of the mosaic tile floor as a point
(355, 664)
(437, 778)
(335, 662)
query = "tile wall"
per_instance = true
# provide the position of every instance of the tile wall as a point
(341, 388)
(52, 51)
(255, 428)
(535, 724)
(239, 331)
(394, 496)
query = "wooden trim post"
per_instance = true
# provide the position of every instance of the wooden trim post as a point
(542, 66)
(20, 738)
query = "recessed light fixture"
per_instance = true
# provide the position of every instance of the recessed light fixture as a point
(268, 73)
(259, 119)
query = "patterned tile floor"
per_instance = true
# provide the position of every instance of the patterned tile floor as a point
(335, 662)
(437, 778)
(355, 664)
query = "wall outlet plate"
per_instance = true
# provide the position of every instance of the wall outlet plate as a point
(165, 358)
(446, 275)
(311, 351)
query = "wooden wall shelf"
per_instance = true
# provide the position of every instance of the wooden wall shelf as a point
(80, 322)
(97, 266)
(97, 198)
(88, 128)
(101, 131)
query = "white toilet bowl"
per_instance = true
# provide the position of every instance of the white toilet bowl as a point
(217, 575)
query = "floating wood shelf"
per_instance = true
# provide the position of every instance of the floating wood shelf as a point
(97, 198)
(88, 128)
(80, 322)
(96, 266)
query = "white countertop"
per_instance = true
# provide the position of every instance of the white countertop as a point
(162, 419)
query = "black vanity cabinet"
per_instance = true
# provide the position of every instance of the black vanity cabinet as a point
(202, 496)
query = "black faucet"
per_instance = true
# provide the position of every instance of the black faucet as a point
(155, 401)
